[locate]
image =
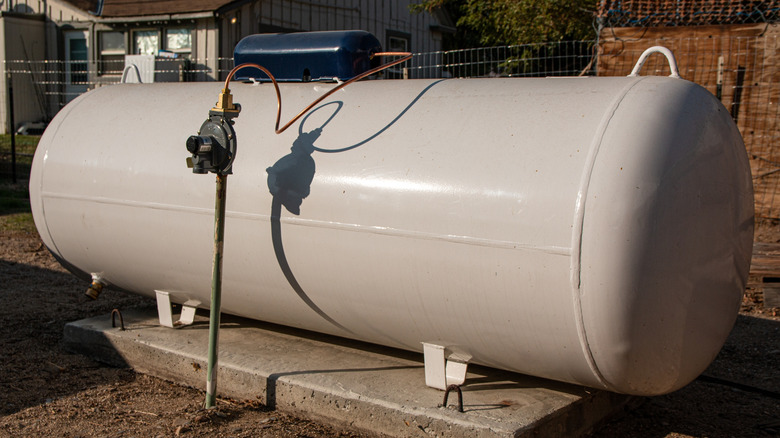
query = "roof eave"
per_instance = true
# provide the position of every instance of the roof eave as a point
(230, 6)
(161, 17)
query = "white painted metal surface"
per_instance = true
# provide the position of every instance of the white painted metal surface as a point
(675, 73)
(165, 311)
(139, 69)
(444, 367)
(589, 230)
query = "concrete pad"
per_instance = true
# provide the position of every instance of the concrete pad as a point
(346, 383)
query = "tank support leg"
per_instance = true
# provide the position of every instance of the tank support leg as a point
(165, 310)
(443, 367)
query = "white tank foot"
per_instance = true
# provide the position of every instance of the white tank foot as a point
(165, 310)
(444, 365)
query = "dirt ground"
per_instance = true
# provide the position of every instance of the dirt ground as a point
(49, 392)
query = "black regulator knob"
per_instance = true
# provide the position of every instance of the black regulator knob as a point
(214, 148)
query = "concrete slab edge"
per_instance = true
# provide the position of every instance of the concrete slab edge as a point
(341, 409)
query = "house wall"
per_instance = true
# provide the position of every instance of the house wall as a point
(750, 87)
(55, 10)
(384, 18)
(214, 35)
(23, 43)
(205, 43)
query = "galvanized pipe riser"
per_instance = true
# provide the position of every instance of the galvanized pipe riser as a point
(216, 290)
(588, 230)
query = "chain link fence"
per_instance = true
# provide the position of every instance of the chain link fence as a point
(743, 72)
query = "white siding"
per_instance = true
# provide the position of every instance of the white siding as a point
(23, 42)
(56, 10)
(204, 50)
(375, 16)
(379, 17)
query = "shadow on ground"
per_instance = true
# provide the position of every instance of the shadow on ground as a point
(736, 396)
(35, 304)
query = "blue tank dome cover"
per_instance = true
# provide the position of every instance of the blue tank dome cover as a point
(305, 56)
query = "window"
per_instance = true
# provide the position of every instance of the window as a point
(176, 40)
(397, 42)
(112, 53)
(146, 42)
(77, 57)
(179, 41)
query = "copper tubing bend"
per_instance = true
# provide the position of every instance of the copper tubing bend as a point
(404, 56)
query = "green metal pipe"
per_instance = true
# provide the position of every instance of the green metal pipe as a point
(216, 290)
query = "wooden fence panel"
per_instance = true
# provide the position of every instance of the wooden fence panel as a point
(745, 58)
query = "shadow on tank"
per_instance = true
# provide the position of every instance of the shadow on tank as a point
(289, 181)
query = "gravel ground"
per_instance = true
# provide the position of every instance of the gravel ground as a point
(48, 392)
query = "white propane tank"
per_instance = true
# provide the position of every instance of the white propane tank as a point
(589, 230)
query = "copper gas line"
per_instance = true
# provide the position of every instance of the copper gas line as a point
(405, 56)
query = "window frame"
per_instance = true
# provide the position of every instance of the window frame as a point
(134, 42)
(114, 54)
(396, 72)
(185, 53)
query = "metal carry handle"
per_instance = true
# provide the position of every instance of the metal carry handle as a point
(127, 69)
(657, 49)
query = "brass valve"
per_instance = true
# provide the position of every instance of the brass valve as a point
(225, 105)
(94, 289)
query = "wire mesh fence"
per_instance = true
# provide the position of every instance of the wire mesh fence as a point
(64, 80)
(643, 13)
(743, 72)
(566, 58)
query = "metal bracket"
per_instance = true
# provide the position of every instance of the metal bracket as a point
(460, 396)
(115, 313)
(165, 310)
(444, 366)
